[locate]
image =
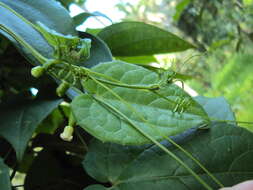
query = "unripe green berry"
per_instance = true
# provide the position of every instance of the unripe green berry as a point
(37, 71)
(62, 88)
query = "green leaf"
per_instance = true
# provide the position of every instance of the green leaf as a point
(93, 31)
(138, 59)
(48, 12)
(227, 154)
(139, 39)
(82, 17)
(180, 8)
(158, 114)
(19, 119)
(5, 183)
(99, 51)
(216, 108)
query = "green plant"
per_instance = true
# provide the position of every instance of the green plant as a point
(153, 131)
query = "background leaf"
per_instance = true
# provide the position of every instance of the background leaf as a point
(82, 17)
(138, 39)
(5, 183)
(149, 111)
(216, 108)
(227, 154)
(19, 119)
(138, 59)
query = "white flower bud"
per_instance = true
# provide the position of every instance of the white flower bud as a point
(67, 134)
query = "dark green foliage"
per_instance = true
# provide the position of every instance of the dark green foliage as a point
(147, 167)
(19, 119)
(113, 101)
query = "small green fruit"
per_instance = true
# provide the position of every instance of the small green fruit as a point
(64, 86)
(37, 71)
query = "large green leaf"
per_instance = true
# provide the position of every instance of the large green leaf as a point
(48, 12)
(227, 154)
(19, 119)
(216, 108)
(155, 114)
(5, 183)
(138, 39)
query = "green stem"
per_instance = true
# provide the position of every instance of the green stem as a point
(232, 121)
(36, 54)
(147, 135)
(17, 14)
(196, 161)
(72, 120)
(151, 87)
(116, 82)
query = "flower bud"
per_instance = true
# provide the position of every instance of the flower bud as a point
(67, 134)
(37, 71)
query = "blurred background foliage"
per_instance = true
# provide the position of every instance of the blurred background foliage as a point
(223, 32)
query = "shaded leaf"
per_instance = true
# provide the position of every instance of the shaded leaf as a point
(227, 154)
(3, 44)
(99, 51)
(19, 119)
(5, 183)
(48, 12)
(138, 39)
(65, 172)
(169, 111)
(216, 108)
(51, 122)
